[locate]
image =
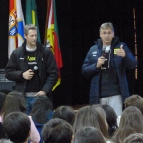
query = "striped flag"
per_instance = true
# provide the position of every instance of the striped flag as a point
(52, 37)
(31, 15)
(16, 25)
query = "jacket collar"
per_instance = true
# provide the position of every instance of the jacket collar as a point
(114, 41)
(40, 47)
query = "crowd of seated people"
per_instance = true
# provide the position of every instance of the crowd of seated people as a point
(90, 123)
(16, 102)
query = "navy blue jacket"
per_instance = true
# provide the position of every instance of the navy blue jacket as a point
(120, 64)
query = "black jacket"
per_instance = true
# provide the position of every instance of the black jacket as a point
(48, 71)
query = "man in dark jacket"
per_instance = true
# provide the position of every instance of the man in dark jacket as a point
(33, 68)
(106, 64)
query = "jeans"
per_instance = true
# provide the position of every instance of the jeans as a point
(29, 104)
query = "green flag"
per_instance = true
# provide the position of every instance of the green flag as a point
(31, 15)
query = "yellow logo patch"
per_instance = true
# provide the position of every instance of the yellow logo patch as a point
(31, 59)
(115, 50)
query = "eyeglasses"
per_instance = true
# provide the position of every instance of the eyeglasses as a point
(108, 33)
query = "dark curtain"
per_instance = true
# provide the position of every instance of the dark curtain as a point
(79, 22)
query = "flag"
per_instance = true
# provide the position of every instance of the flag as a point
(52, 37)
(31, 15)
(16, 25)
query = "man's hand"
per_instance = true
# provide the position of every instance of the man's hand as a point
(40, 93)
(100, 62)
(121, 52)
(28, 74)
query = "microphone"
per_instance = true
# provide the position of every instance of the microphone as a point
(35, 68)
(103, 51)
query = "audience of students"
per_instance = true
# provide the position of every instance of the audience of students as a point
(95, 123)
(16, 102)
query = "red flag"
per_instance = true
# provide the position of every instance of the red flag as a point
(52, 37)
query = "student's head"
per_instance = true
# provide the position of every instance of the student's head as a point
(91, 116)
(14, 101)
(135, 100)
(111, 118)
(130, 101)
(57, 131)
(66, 113)
(134, 138)
(88, 135)
(41, 110)
(30, 34)
(131, 122)
(2, 99)
(17, 126)
(132, 117)
(106, 33)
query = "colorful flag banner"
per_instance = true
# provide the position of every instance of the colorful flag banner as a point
(31, 15)
(16, 25)
(52, 37)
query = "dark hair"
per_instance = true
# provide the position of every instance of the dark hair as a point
(42, 110)
(57, 131)
(66, 113)
(88, 135)
(2, 133)
(2, 99)
(17, 126)
(111, 119)
(14, 101)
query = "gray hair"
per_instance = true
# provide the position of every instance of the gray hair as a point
(29, 27)
(106, 25)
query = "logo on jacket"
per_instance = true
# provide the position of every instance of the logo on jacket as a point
(94, 53)
(31, 59)
(115, 50)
